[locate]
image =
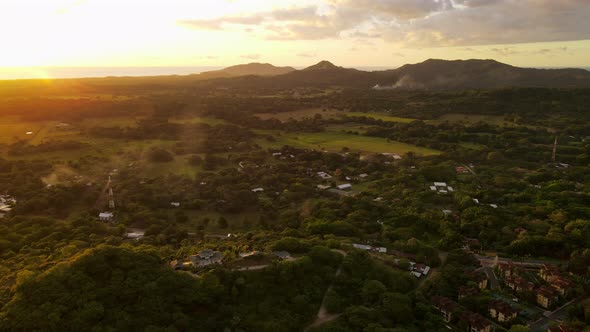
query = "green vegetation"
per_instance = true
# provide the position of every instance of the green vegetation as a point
(250, 173)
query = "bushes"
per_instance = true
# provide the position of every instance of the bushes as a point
(160, 155)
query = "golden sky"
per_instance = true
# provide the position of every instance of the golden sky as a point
(288, 32)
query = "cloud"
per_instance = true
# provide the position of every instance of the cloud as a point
(251, 56)
(306, 55)
(420, 23)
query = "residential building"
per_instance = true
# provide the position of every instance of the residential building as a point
(480, 278)
(446, 307)
(345, 186)
(206, 257)
(518, 284)
(106, 216)
(466, 291)
(476, 322)
(502, 311)
(546, 296)
(563, 285)
(549, 272)
(506, 269)
(362, 246)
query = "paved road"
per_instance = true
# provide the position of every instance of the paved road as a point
(494, 284)
(489, 261)
(555, 316)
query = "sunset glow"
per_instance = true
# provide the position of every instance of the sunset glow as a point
(350, 33)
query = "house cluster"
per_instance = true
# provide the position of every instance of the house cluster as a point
(6, 204)
(441, 188)
(555, 286)
(449, 310)
(204, 258)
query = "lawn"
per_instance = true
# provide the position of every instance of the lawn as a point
(335, 141)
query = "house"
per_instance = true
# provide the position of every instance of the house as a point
(466, 291)
(476, 322)
(257, 190)
(549, 273)
(324, 175)
(470, 244)
(518, 284)
(136, 235)
(345, 186)
(480, 278)
(501, 311)
(476, 200)
(546, 296)
(105, 216)
(323, 187)
(282, 254)
(362, 246)
(249, 254)
(563, 285)
(206, 257)
(175, 204)
(506, 269)
(419, 270)
(495, 206)
(382, 250)
(446, 307)
(441, 188)
(364, 175)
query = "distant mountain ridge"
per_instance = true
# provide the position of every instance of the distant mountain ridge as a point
(432, 74)
(254, 68)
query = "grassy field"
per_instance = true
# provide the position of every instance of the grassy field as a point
(497, 120)
(193, 120)
(335, 141)
(328, 114)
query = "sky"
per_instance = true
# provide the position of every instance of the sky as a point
(352, 33)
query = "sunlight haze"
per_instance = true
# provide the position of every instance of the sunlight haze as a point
(530, 33)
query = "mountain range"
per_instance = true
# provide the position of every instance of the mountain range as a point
(432, 74)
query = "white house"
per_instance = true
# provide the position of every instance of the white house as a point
(362, 246)
(105, 216)
(324, 175)
(440, 184)
(257, 190)
(344, 186)
(175, 204)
